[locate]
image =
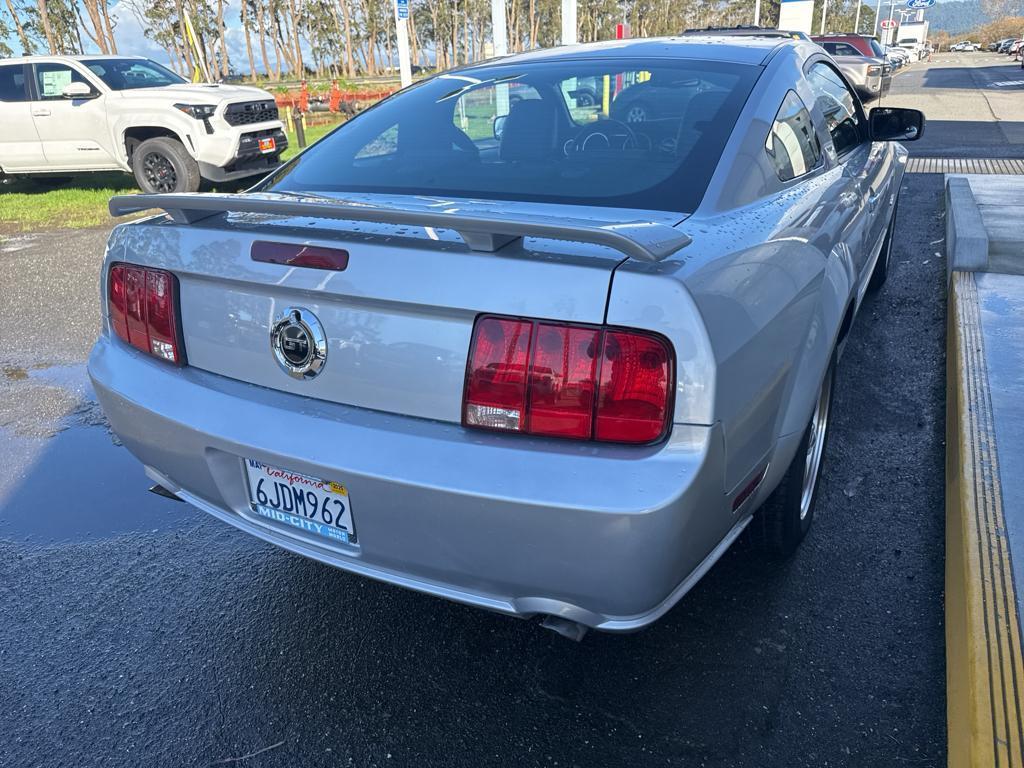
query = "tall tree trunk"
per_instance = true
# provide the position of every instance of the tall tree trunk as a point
(98, 36)
(187, 46)
(44, 17)
(350, 62)
(25, 47)
(534, 21)
(297, 38)
(108, 27)
(414, 40)
(248, 39)
(262, 29)
(225, 67)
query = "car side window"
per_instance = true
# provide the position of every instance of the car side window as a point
(792, 143)
(839, 106)
(52, 79)
(12, 83)
(840, 49)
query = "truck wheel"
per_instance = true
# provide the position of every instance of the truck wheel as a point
(787, 514)
(162, 164)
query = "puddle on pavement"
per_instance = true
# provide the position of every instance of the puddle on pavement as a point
(78, 485)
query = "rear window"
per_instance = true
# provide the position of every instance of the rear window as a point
(840, 49)
(605, 133)
(12, 83)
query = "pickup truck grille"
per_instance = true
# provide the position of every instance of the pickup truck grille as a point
(249, 112)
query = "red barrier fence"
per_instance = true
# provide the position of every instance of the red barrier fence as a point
(300, 99)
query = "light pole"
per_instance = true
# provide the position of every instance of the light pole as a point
(757, 13)
(824, 11)
(402, 37)
(568, 22)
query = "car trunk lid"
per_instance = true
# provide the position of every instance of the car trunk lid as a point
(397, 319)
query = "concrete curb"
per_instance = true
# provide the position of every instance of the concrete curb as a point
(984, 669)
(966, 238)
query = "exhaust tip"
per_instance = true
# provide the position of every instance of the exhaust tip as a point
(566, 628)
(159, 490)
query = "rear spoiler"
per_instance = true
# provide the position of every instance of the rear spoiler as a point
(643, 240)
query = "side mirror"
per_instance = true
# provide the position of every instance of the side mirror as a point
(499, 126)
(896, 124)
(78, 91)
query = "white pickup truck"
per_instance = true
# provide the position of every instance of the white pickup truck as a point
(67, 114)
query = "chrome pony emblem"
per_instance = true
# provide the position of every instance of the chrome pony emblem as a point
(299, 343)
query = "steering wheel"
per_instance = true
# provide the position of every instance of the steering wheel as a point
(605, 134)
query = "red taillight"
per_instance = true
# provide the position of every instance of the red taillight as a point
(569, 381)
(144, 310)
(116, 302)
(562, 381)
(495, 394)
(632, 403)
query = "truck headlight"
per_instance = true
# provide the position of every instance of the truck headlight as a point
(874, 70)
(198, 111)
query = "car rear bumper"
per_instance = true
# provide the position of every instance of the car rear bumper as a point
(606, 536)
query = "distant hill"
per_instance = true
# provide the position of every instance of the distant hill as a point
(956, 16)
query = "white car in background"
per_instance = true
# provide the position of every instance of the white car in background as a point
(965, 45)
(897, 57)
(68, 114)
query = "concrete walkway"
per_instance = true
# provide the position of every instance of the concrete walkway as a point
(985, 470)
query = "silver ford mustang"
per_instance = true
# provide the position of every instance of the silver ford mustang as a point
(541, 335)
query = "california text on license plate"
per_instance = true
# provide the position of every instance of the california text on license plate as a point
(321, 507)
(268, 145)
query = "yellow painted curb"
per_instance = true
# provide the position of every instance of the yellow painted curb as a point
(984, 672)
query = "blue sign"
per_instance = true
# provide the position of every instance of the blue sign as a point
(919, 4)
(403, 7)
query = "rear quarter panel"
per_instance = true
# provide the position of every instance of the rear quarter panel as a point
(770, 274)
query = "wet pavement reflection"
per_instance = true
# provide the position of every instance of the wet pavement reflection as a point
(68, 478)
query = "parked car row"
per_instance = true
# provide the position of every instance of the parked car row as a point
(1008, 45)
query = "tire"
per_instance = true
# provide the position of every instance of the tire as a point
(162, 164)
(881, 271)
(585, 98)
(636, 113)
(786, 516)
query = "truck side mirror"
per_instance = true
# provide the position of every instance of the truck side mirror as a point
(78, 91)
(896, 124)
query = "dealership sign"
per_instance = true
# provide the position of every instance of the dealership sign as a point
(918, 4)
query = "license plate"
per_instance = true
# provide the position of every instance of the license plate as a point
(268, 144)
(320, 507)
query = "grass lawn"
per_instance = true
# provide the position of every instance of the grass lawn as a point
(28, 204)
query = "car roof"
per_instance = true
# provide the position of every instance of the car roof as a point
(739, 49)
(52, 57)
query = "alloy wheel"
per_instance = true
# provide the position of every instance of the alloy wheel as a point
(159, 172)
(815, 445)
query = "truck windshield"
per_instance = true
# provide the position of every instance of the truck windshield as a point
(614, 133)
(123, 74)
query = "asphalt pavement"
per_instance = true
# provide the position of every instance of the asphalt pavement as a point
(137, 631)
